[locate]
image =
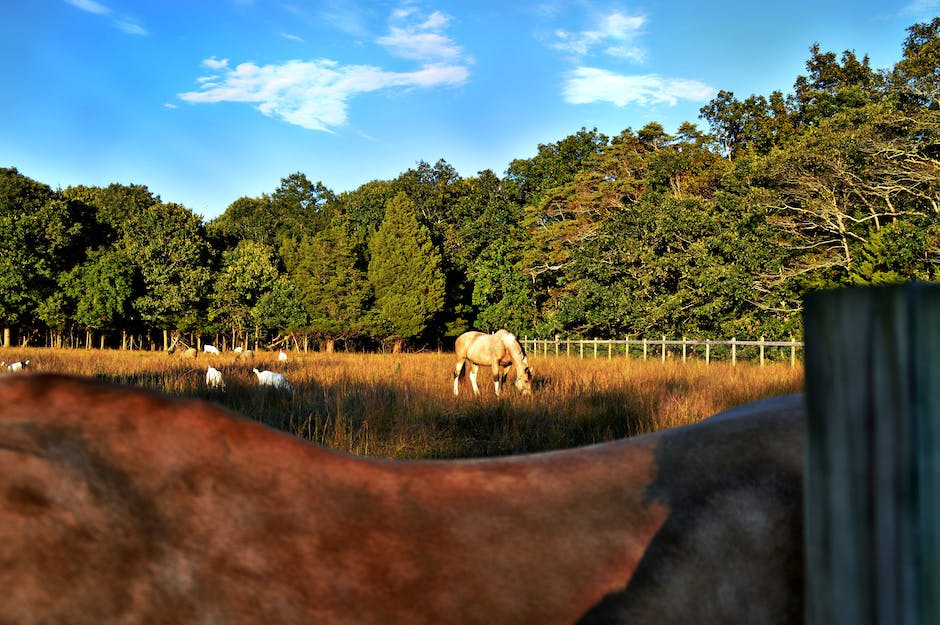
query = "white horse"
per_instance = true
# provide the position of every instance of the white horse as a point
(499, 351)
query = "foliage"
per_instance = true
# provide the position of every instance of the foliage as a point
(405, 272)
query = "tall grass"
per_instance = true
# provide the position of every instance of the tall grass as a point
(402, 406)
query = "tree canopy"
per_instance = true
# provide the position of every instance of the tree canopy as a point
(711, 232)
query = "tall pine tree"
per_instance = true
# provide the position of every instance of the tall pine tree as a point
(405, 272)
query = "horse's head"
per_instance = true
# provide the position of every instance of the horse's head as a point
(524, 382)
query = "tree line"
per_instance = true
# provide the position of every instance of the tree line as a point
(715, 232)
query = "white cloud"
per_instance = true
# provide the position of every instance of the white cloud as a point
(425, 40)
(125, 24)
(214, 63)
(291, 37)
(586, 85)
(612, 34)
(131, 27)
(90, 5)
(310, 94)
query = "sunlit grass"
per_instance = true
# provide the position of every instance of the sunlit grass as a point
(402, 405)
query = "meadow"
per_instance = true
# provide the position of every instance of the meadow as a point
(402, 405)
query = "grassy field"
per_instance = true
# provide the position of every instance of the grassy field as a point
(402, 405)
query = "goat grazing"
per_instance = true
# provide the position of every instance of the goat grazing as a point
(214, 379)
(210, 349)
(17, 366)
(273, 379)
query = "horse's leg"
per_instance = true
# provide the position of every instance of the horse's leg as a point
(458, 369)
(473, 378)
(496, 377)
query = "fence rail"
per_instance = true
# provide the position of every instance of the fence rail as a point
(665, 348)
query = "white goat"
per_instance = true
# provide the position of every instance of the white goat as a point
(210, 349)
(214, 379)
(276, 380)
(282, 356)
(16, 366)
(238, 349)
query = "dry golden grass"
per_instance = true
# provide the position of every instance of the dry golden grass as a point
(402, 406)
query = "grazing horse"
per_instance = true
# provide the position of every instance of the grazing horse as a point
(499, 350)
(122, 506)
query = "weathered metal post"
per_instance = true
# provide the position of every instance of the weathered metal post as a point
(872, 492)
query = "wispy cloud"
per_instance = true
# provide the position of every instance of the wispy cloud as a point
(586, 85)
(413, 36)
(918, 7)
(123, 23)
(613, 34)
(90, 6)
(291, 37)
(315, 94)
(310, 94)
(131, 27)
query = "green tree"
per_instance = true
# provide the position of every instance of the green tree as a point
(167, 243)
(39, 233)
(334, 292)
(300, 207)
(405, 273)
(916, 77)
(247, 273)
(102, 289)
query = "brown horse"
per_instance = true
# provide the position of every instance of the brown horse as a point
(122, 506)
(499, 351)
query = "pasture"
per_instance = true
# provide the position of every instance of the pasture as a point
(402, 405)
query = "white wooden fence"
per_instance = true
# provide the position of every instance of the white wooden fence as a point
(664, 349)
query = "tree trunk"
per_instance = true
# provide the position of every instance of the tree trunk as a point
(6, 337)
(330, 345)
(396, 346)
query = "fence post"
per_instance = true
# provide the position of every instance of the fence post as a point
(792, 352)
(734, 351)
(683, 349)
(664, 348)
(762, 350)
(626, 348)
(708, 347)
(595, 349)
(644, 349)
(872, 485)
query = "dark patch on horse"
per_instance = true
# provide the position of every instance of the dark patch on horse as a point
(733, 539)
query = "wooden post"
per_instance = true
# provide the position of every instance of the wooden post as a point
(761, 351)
(664, 349)
(872, 490)
(792, 353)
(644, 349)
(683, 349)
(626, 348)
(734, 351)
(708, 347)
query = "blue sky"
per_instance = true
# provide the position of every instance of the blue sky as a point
(206, 101)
